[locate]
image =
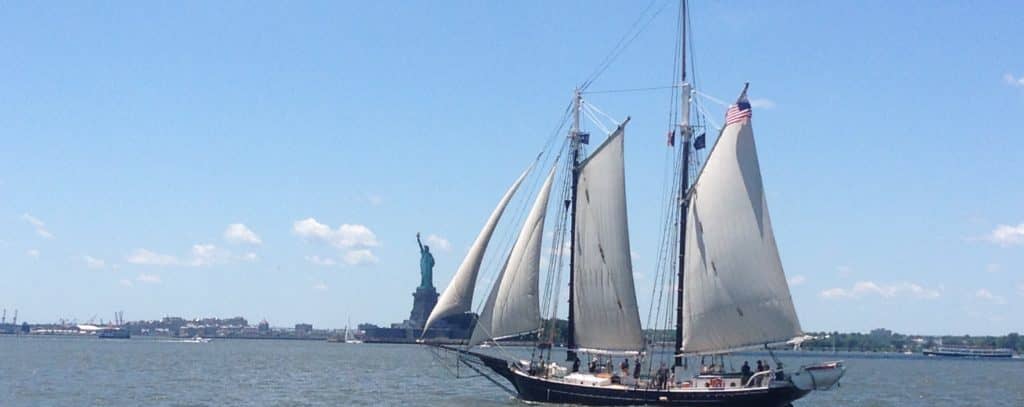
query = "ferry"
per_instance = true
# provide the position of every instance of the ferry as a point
(967, 352)
(114, 333)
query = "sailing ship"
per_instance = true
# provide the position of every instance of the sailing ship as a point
(727, 285)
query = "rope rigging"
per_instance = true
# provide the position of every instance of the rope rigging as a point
(631, 34)
(664, 294)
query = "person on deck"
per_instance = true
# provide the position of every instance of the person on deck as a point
(760, 367)
(576, 365)
(636, 369)
(779, 375)
(624, 366)
(662, 377)
(746, 372)
(592, 366)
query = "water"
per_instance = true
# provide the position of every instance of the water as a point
(64, 371)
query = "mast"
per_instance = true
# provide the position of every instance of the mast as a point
(686, 130)
(570, 346)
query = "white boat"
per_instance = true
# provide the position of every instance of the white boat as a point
(350, 337)
(719, 271)
(196, 339)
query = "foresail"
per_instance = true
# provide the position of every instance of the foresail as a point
(735, 293)
(513, 307)
(458, 296)
(606, 315)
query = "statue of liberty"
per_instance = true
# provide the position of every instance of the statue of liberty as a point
(426, 265)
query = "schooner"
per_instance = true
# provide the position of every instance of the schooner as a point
(726, 282)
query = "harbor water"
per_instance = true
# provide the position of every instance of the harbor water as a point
(64, 371)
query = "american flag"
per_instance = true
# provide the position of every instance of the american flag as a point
(739, 112)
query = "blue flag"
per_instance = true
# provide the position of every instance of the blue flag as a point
(584, 138)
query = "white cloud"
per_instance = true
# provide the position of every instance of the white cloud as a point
(38, 224)
(987, 295)
(125, 282)
(993, 268)
(93, 263)
(320, 286)
(148, 278)
(208, 254)
(1007, 235)
(863, 289)
(33, 253)
(1013, 81)
(438, 242)
(354, 240)
(201, 255)
(321, 261)
(374, 199)
(344, 237)
(834, 293)
(797, 280)
(150, 258)
(239, 233)
(844, 271)
(762, 103)
(359, 257)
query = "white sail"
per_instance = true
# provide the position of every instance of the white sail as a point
(734, 290)
(458, 296)
(513, 308)
(605, 310)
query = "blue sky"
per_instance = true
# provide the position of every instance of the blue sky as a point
(134, 135)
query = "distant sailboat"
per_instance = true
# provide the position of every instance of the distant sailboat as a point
(349, 336)
(732, 291)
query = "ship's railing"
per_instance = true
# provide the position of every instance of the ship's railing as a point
(762, 379)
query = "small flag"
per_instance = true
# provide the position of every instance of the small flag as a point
(671, 138)
(739, 112)
(584, 138)
(699, 143)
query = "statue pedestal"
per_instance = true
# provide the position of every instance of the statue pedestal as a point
(423, 301)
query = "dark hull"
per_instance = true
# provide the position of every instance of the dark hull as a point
(118, 334)
(540, 390)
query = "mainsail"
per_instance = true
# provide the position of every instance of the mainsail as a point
(458, 297)
(734, 290)
(606, 315)
(513, 308)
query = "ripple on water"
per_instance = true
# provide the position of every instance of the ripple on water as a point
(55, 371)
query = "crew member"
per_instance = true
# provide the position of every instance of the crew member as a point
(746, 372)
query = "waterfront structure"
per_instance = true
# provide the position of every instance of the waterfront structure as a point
(424, 299)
